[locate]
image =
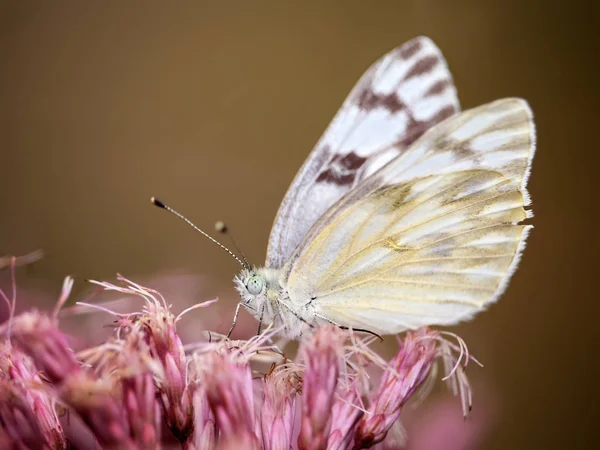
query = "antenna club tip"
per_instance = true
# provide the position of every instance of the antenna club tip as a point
(221, 227)
(157, 202)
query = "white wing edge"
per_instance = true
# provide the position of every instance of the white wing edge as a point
(505, 281)
(533, 137)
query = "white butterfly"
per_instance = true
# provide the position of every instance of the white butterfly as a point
(407, 213)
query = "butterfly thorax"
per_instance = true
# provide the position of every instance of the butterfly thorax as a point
(265, 296)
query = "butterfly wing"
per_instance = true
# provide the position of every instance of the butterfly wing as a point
(399, 97)
(431, 239)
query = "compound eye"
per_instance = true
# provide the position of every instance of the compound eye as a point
(255, 285)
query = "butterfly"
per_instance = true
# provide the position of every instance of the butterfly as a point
(407, 212)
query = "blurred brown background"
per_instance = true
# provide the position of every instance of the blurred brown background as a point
(213, 106)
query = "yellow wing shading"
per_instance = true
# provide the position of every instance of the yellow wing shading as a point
(498, 136)
(399, 97)
(432, 237)
(431, 251)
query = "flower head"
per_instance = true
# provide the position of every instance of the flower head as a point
(229, 390)
(27, 410)
(215, 394)
(405, 373)
(322, 354)
(278, 412)
(155, 325)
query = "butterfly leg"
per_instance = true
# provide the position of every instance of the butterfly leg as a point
(260, 320)
(290, 309)
(360, 330)
(235, 317)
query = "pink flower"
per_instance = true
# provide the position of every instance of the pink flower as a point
(406, 372)
(38, 335)
(278, 412)
(25, 398)
(345, 416)
(155, 325)
(229, 390)
(216, 393)
(19, 421)
(93, 399)
(204, 436)
(142, 410)
(322, 353)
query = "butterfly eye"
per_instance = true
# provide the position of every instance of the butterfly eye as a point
(255, 285)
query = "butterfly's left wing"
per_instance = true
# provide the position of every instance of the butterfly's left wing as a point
(399, 97)
(433, 248)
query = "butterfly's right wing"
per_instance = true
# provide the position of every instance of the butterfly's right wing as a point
(400, 96)
(498, 136)
(435, 235)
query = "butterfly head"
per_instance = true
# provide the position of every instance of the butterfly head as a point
(256, 286)
(251, 286)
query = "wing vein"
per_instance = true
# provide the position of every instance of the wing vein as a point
(380, 241)
(415, 261)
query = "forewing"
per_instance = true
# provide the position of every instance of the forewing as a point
(402, 95)
(498, 136)
(430, 250)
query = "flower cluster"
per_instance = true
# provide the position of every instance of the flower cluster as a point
(143, 389)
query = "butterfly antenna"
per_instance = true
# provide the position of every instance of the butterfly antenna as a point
(157, 202)
(222, 228)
